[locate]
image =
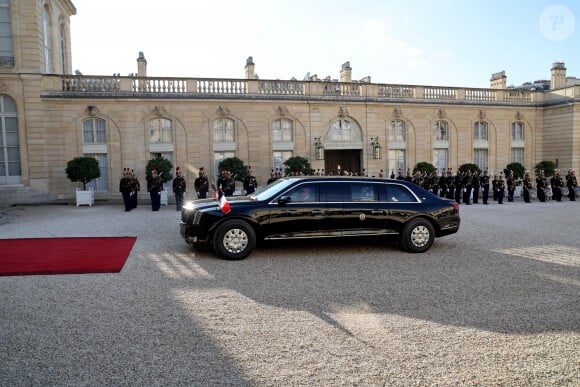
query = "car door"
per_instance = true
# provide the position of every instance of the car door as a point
(402, 205)
(364, 213)
(296, 214)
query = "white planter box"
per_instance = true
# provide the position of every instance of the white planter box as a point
(85, 197)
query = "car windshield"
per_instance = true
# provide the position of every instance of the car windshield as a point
(267, 191)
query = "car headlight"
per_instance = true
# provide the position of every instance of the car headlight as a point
(188, 206)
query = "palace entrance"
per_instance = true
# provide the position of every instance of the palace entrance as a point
(348, 159)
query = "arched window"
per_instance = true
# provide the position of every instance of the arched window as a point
(441, 131)
(342, 130)
(517, 131)
(161, 131)
(9, 143)
(397, 130)
(480, 131)
(224, 130)
(282, 130)
(94, 131)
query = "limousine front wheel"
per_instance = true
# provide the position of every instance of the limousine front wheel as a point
(235, 239)
(418, 236)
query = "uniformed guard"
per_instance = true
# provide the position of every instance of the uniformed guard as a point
(409, 176)
(484, 182)
(541, 186)
(392, 175)
(443, 184)
(511, 186)
(250, 183)
(500, 188)
(467, 181)
(572, 183)
(434, 182)
(201, 184)
(450, 180)
(179, 187)
(135, 188)
(125, 189)
(494, 186)
(526, 186)
(229, 186)
(458, 186)
(556, 184)
(154, 186)
(475, 186)
(400, 175)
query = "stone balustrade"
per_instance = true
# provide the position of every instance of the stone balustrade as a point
(223, 87)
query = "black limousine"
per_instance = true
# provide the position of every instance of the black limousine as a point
(320, 207)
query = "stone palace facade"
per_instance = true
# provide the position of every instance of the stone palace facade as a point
(49, 115)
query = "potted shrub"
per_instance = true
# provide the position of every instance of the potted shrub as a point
(83, 169)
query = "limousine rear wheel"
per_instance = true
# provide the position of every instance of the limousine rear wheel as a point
(234, 239)
(418, 236)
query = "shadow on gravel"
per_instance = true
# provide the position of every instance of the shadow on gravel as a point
(494, 291)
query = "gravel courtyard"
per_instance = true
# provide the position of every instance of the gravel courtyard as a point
(496, 304)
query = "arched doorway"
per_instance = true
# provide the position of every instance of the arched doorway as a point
(343, 147)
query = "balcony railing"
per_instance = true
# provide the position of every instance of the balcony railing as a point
(117, 85)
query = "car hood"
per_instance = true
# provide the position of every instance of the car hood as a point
(203, 204)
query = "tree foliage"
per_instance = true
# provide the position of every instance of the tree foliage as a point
(517, 168)
(298, 165)
(424, 166)
(548, 167)
(235, 166)
(83, 169)
(472, 167)
(164, 168)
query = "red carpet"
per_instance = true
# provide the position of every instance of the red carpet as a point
(64, 255)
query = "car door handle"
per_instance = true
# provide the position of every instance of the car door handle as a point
(377, 212)
(317, 212)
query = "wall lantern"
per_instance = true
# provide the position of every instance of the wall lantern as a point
(376, 148)
(319, 148)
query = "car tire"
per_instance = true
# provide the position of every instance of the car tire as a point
(234, 239)
(417, 236)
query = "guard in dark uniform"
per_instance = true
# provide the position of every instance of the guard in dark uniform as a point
(494, 186)
(511, 186)
(409, 176)
(450, 180)
(179, 187)
(135, 188)
(467, 181)
(125, 189)
(541, 186)
(484, 182)
(250, 183)
(228, 185)
(500, 188)
(526, 186)
(572, 183)
(154, 186)
(201, 184)
(434, 183)
(443, 184)
(556, 183)
(475, 186)
(458, 186)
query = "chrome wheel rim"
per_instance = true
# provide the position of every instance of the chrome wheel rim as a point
(420, 236)
(235, 241)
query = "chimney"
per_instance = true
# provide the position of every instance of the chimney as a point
(498, 80)
(346, 73)
(250, 68)
(558, 80)
(141, 65)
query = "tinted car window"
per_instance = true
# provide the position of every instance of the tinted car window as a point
(363, 193)
(304, 193)
(399, 193)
